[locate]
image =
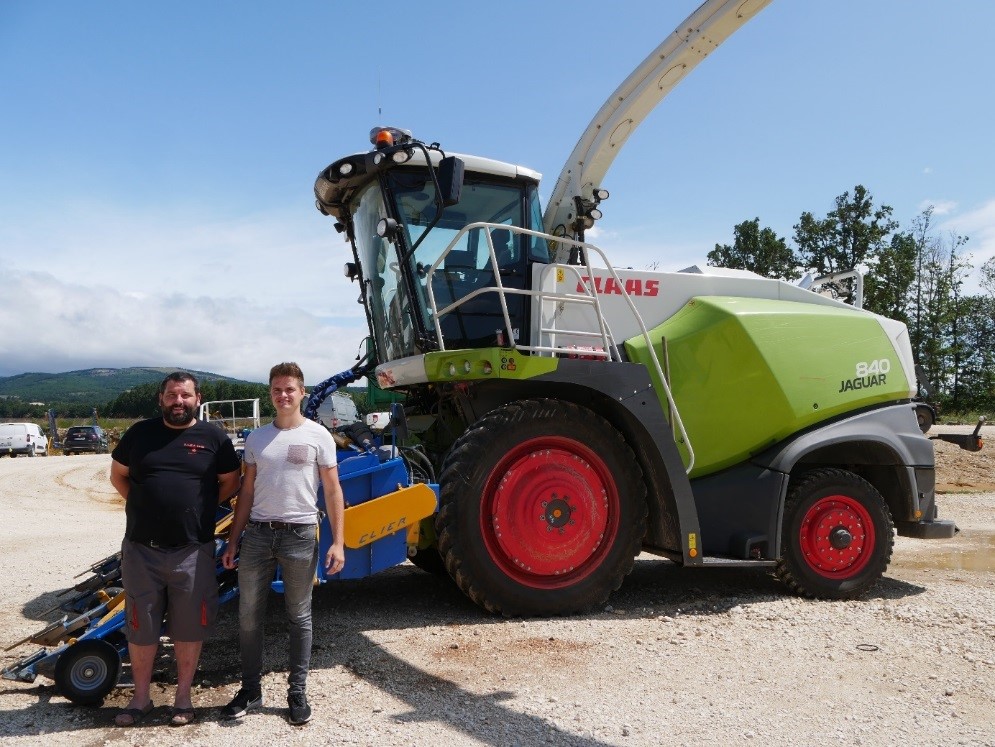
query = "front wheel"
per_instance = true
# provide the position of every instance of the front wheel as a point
(88, 670)
(543, 509)
(838, 535)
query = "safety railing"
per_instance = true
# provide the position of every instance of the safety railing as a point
(554, 302)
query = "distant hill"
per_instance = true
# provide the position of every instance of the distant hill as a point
(90, 386)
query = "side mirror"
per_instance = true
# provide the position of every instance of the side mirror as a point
(450, 180)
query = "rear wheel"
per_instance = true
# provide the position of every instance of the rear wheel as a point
(88, 670)
(925, 417)
(838, 535)
(543, 509)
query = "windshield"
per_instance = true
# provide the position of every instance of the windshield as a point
(400, 321)
(388, 305)
(481, 201)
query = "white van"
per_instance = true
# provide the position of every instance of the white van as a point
(22, 438)
(336, 410)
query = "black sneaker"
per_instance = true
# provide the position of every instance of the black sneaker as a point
(243, 702)
(300, 711)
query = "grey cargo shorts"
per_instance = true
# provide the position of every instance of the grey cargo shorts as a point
(178, 584)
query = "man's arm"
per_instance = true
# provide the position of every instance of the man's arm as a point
(243, 507)
(228, 485)
(120, 478)
(335, 506)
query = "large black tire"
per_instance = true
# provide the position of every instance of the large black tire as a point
(88, 670)
(543, 509)
(838, 535)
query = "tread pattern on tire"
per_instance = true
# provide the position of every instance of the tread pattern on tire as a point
(457, 482)
(884, 538)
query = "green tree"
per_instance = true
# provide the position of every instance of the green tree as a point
(977, 367)
(935, 332)
(890, 277)
(759, 250)
(851, 236)
(988, 275)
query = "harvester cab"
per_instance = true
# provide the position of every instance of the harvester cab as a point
(431, 227)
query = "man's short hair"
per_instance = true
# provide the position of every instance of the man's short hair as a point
(179, 377)
(287, 369)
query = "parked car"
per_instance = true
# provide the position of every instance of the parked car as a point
(22, 438)
(337, 410)
(80, 438)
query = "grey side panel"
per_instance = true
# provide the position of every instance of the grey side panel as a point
(740, 511)
(894, 427)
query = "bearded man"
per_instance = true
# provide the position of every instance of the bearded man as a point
(172, 472)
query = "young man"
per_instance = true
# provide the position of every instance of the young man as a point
(278, 509)
(172, 471)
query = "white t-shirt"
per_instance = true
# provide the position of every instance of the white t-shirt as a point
(287, 479)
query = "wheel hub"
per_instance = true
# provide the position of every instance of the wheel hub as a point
(840, 538)
(556, 513)
(837, 536)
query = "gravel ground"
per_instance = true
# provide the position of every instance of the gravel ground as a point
(680, 656)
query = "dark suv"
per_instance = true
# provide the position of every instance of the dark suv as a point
(80, 438)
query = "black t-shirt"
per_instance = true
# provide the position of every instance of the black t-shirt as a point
(173, 498)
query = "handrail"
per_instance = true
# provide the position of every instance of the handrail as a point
(589, 297)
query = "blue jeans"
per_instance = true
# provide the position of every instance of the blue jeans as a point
(296, 550)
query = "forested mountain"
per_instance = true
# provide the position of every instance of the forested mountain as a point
(89, 386)
(76, 393)
(119, 392)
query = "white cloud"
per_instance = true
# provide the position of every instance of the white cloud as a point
(979, 226)
(95, 286)
(53, 326)
(940, 207)
(276, 259)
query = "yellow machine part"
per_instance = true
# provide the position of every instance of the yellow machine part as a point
(387, 514)
(113, 607)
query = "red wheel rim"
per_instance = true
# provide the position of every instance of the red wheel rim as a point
(549, 513)
(837, 537)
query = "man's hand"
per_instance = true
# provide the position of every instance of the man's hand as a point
(228, 558)
(334, 559)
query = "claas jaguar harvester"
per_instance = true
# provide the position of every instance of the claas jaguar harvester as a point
(577, 414)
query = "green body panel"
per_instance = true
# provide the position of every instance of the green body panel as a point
(484, 363)
(746, 373)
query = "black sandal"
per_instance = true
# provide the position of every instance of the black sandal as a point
(182, 716)
(131, 716)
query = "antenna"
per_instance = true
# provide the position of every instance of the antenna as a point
(379, 107)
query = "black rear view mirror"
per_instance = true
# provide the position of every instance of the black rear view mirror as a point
(450, 180)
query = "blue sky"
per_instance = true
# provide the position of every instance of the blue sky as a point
(157, 159)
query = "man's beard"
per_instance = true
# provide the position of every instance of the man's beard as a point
(174, 417)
